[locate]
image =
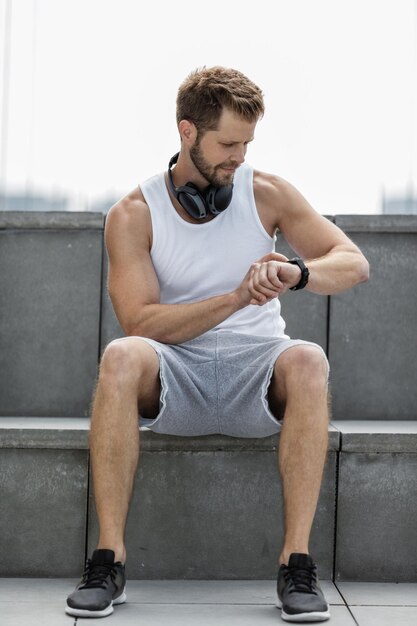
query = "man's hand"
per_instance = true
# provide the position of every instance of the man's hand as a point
(267, 278)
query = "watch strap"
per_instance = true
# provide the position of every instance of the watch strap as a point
(304, 273)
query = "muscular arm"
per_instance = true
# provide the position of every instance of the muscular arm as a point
(334, 261)
(134, 289)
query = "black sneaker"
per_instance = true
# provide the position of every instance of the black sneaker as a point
(102, 586)
(300, 597)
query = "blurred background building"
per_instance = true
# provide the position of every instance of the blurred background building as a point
(399, 205)
(88, 88)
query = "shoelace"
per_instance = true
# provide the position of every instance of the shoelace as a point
(302, 579)
(95, 575)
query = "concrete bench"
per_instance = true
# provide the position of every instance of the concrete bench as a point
(376, 538)
(44, 479)
(204, 507)
(209, 507)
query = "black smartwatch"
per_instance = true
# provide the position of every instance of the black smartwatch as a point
(304, 273)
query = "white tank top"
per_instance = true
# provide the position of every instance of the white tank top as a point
(194, 262)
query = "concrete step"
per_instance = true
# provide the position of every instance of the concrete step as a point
(208, 507)
(376, 537)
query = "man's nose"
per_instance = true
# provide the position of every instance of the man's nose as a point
(239, 154)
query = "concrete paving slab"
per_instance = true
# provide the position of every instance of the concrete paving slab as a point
(131, 614)
(27, 590)
(381, 594)
(385, 615)
(213, 592)
(34, 614)
(201, 591)
(157, 602)
(339, 616)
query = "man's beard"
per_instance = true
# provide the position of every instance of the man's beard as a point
(212, 173)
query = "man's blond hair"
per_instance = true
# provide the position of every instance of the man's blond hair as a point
(206, 91)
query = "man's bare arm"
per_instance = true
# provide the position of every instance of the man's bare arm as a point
(134, 289)
(334, 261)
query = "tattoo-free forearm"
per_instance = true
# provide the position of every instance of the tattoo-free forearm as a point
(176, 323)
(337, 271)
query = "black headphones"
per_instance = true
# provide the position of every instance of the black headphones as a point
(199, 204)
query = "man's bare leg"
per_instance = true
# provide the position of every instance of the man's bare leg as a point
(300, 385)
(128, 379)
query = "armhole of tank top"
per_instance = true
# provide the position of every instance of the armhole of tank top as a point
(153, 230)
(255, 208)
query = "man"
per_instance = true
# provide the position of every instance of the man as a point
(195, 285)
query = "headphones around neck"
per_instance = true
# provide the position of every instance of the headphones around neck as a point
(199, 204)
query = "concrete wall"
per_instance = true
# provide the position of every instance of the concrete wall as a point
(55, 320)
(56, 317)
(50, 287)
(373, 327)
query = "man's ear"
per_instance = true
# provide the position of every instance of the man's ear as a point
(188, 131)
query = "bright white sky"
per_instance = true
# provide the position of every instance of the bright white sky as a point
(92, 113)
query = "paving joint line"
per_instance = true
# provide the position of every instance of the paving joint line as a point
(347, 605)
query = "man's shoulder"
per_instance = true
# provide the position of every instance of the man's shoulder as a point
(130, 209)
(273, 195)
(271, 185)
(131, 215)
(130, 205)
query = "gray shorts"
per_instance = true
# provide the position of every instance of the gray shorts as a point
(218, 384)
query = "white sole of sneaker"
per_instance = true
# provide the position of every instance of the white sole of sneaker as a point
(317, 616)
(104, 613)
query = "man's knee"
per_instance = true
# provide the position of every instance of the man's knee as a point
(129, 358)
(305, 364)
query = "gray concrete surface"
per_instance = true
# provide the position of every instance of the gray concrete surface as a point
(42, 511)
(60, 433)
(211, 507)
(208, 603)
(377, 436)
(50, 288)
(373, 327)
(51, 220)
(57, 318)
(215, 514)
(376, 508)
(376, 530)
(211, 501)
